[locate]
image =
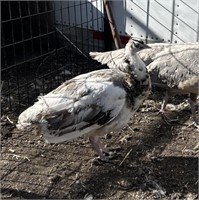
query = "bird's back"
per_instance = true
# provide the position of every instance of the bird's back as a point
(84, 104)
(177, 67)
(169, 65)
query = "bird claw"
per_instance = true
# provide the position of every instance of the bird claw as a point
(166, 118)
(103, 153)
(107, 156)
(124, 139)
(194, 124)
(103, 159)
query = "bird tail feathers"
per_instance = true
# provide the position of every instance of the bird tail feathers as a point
(192, 82)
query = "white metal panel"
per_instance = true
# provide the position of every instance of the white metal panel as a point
(186, 21)
(143, 18)
(118, 9)
(136, 18)
(162, 20)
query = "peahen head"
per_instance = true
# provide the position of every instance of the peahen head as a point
(133, 46)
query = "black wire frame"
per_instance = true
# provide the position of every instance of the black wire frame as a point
(35, 57)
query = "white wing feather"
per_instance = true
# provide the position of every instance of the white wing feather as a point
(169, 65)
(67, 112)
(113, 58)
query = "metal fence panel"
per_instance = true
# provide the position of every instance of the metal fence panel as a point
(43, 44)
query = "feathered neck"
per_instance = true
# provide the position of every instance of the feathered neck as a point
(132, 64)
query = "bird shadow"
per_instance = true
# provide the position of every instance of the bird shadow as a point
(10, 192)
(141, 170)
(163, 174)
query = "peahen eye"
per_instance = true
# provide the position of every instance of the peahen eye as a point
(136, 45)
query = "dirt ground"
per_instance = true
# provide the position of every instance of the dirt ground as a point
(157, 161)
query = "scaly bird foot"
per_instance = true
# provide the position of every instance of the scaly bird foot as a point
(100, 149)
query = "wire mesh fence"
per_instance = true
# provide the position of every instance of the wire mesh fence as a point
(44, 43)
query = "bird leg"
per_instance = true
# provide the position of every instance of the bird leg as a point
(163, 108)
(164, 103)
(192, 102)
(99, 148)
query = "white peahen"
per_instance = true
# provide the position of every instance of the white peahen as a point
(92, 104)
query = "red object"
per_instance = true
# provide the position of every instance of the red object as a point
(100, 36)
